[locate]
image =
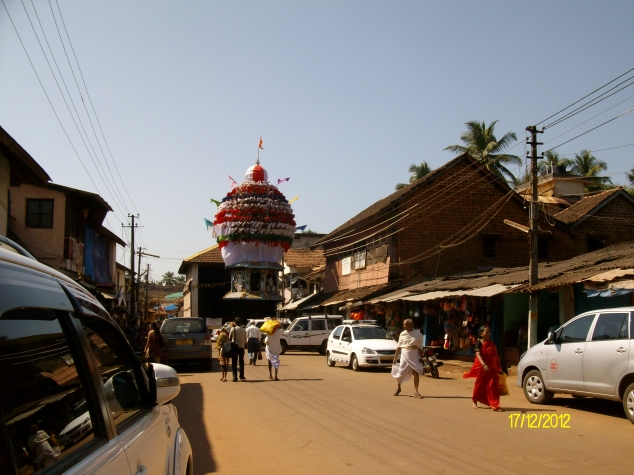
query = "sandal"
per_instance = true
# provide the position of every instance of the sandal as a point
(418, 396)
(398, 391)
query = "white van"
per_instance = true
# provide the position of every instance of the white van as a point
(310, 333)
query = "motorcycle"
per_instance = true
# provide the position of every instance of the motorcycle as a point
(430, 363)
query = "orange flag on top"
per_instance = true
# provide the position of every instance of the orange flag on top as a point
(260, 146)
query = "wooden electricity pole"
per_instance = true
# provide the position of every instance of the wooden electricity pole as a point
(133, 294)
(533, 277)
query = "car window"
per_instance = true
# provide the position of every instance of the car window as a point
(610, 326)
(337, 333)
(576, 330)
(42, 399)
(120, 380)
(371, 333)
(318, 324)
(332, 323)
(300, 325)
(346, 334)
(180, 326)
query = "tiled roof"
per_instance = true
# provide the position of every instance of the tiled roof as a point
(387, 202)
(304, 257)
(584, 207)
(346, 296)
(209, 255)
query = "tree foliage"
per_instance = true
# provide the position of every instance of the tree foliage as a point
(480, 142)
(417, 172)
(587, 165)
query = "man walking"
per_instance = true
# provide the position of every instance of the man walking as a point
(253, 342)
(239, 336)
(410, 346)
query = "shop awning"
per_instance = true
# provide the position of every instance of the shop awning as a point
(398, 295)
(488, 291)
(293, 305)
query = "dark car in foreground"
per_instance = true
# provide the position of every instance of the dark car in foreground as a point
(186, 340)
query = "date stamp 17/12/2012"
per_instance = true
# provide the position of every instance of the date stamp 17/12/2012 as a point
(539, 421)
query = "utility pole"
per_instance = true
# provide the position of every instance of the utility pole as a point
(147, 277)
(141, 253)
(132, 273)
(533, 277)
(138, 285)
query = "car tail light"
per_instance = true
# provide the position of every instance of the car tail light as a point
(207, 339)
(429, 353)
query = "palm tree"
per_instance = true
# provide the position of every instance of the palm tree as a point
(168, 278)
(180, 280)
(630, 176)
(480, 142)
(587, 165)
(552, 158)
(417, 171)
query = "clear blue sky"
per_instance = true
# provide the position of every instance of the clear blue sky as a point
(346, 95)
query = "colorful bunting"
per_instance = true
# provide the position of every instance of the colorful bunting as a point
(208, 223)
(282, 180)
(298, 228)
(215, 201)
(233, 182)
(260, 146)
(294, 199)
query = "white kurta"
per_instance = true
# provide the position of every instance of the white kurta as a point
(274, 348)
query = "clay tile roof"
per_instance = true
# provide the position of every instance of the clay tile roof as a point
(385, 203)
(584, 207)
(209, 255)
(304, 257)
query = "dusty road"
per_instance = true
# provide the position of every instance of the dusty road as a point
(321, 420)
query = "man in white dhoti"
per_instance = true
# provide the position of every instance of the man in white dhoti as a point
(410, 346)
(273, 350)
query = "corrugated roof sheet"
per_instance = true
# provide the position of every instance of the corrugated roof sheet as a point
(346, 296)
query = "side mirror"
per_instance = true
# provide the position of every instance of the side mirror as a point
(347, 338)
(166, 383)
(552, 338)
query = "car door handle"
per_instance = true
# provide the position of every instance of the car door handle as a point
(142, 470)
(578, 351)
(621, 350)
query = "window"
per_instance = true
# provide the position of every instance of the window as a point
(318, 324)
(337, 334)
(358, 260)
(488, 247)
(42, 399)
(369, 333)
(611, 326)
(346, 334)
(120, 380)
(332, 323)
(596, 242)
(180, 326)
(543, 248)
(39, 213)
(577, 330)
(301, 326)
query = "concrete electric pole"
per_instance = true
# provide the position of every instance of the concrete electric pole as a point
(533, 277)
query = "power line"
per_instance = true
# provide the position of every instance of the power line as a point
(589, 104)
(603, 150)
(125, 208)
(61, 92)
(81, 74)
(593, 128)
(584, 97)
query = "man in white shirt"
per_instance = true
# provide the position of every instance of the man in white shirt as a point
(253, 342)
(410, 345)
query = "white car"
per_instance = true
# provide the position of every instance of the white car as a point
(309, 333)
(591, 355)
(74, 393)
(360, 346)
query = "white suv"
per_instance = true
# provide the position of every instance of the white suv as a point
(309, 333)
(74, 398)
(360, 346)
(591, 355)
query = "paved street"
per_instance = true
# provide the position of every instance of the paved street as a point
(321, 420)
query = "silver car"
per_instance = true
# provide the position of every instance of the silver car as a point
(590, 355)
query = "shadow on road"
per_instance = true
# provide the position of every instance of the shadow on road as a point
(191, 396)
(588, 404)
(281, 380)
(522, 410)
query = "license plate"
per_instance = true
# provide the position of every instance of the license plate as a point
(184, 342)
(387, 358)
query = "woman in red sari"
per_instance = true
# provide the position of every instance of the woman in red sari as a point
(485, 370)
